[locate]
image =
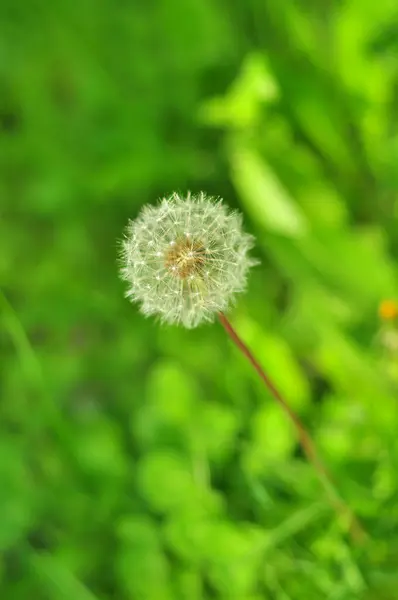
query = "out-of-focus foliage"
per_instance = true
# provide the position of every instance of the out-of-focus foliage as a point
(148, 463)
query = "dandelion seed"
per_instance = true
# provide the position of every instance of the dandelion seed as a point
(193, 257)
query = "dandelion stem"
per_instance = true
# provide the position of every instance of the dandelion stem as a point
(356, 531)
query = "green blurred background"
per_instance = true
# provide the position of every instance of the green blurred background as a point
(140, 462)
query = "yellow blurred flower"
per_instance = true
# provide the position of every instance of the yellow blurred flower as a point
(388, 310)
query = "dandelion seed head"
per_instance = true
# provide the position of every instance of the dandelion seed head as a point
(186, 259)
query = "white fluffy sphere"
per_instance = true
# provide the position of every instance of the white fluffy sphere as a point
(185, 259)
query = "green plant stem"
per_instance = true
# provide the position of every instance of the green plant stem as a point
(305, 439)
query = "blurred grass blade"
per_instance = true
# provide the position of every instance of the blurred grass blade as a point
(294, 524)
(28, 359)
(263, 195)
(57, 580)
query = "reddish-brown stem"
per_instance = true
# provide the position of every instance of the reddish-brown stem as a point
(306, 441)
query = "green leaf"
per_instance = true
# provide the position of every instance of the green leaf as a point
(99, 450)
(171, 398)
(278, 361)
(272, 438)
(263, 195)
(166, 481)
(216, 430)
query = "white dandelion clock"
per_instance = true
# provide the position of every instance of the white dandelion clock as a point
(186, 259)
